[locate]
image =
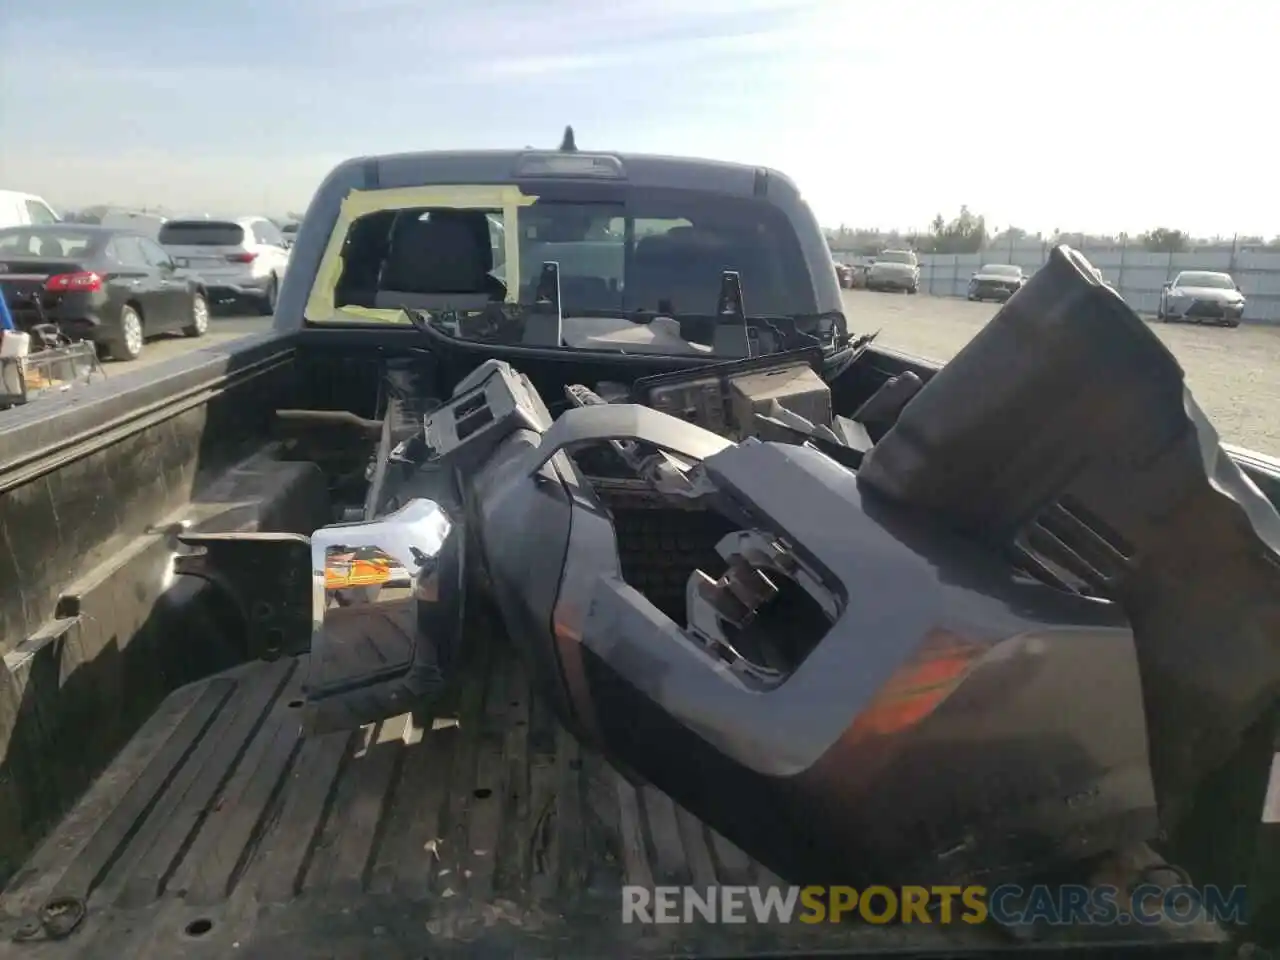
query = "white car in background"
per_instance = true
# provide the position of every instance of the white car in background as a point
(243, 258)
(1201, 296)
(895, 270)
(24, 210)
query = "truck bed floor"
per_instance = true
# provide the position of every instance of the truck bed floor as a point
(220, 831)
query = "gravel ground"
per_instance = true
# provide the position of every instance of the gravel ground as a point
(1234, 374)
(222, 327)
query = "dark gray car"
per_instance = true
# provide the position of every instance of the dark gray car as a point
(996, 281)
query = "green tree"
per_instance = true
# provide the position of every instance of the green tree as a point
(967, 233)
(1165, 240)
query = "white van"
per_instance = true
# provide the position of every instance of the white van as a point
(24, 210)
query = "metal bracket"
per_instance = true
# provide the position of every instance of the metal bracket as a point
(731, 314)
(58, 918)
(267, 576)
(544, 321)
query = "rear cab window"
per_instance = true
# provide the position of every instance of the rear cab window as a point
(652, 249)
(201, 233)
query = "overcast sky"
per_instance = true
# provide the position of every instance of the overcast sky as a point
(1086, 115)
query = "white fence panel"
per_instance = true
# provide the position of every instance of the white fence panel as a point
(1137, 274)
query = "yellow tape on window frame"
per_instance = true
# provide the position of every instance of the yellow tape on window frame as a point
(505, 197)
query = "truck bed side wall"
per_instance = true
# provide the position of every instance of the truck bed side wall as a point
(89, 609)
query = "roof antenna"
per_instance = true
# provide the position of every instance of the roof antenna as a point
(568, 144)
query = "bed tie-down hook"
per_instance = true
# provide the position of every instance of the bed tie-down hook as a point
(58, 918)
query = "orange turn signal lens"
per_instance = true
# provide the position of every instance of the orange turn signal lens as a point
(915, 691)
(356, 573)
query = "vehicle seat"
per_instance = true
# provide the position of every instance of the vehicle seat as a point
(684, 267)
(363, 255)
(590, 272)
(50, 247)
(656, 271)
(448, 253)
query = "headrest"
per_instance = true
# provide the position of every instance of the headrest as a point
(656, 250)
(371, 232)
(680, 242)
(448, 252)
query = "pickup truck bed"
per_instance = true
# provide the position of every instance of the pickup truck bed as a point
(219, 830)
(487, 830)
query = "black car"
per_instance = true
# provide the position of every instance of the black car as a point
(996, 281)
(110, 286)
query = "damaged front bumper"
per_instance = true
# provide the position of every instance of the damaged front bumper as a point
(1023, 633)
(1204, 311)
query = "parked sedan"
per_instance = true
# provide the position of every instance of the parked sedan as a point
(996, 281)
(112, 287)
(1199, 296)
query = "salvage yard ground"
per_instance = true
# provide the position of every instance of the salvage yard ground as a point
(1235, 374)
(223, 328)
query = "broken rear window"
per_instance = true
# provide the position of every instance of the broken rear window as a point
(656, 250)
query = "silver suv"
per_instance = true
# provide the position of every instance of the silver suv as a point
(242, 258)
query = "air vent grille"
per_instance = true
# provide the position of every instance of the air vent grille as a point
(1068, 548)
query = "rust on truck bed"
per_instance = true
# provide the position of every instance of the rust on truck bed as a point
(221, 830)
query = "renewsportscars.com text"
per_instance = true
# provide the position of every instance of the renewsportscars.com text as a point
(1066, 905)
